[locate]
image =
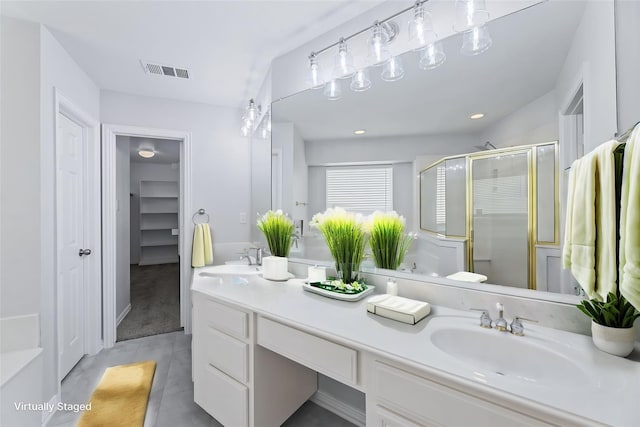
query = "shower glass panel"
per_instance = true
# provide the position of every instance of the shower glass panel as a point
(500, 218)
(546, 188)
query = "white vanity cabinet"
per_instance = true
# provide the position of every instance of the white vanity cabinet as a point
(404, 398)
(239, 383)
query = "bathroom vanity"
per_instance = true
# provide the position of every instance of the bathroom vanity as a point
(257, 346)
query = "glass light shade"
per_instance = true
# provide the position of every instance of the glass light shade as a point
(432, 56)
(147, 154)
(360, 81)
(378, 52)
(476, 41)
(469, 14)
(421, 31)
(244, 131)
(332, 90)
(252, 111)
(313, 78)
(264, 132)
(343, 62)
(392, 70)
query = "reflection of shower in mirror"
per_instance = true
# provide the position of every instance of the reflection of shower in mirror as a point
(487, 146)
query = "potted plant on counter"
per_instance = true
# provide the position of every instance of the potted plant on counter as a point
(344, 233)
(278, 229)
(388, 241)
(611, 323)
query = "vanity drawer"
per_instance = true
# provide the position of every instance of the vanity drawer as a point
(434, 404)
(226, 319)
(222, 397)
(227, 354)
(331, 359)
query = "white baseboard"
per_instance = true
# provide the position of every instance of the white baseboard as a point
(47, 415)
(341, 409)
(122, 315)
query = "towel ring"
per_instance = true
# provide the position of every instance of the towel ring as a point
(200, 212)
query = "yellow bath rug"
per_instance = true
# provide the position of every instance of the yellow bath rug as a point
(121, 397)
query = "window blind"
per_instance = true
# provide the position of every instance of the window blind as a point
(360, 189)
(441, 195)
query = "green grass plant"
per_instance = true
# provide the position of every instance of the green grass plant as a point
(278, 229)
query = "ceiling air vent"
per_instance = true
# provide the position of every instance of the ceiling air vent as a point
(164, 70)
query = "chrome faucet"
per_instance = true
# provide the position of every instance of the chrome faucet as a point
(516, 327)
(500, 323)
(259, 252)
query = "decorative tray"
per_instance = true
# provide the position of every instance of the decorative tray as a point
(326, 289)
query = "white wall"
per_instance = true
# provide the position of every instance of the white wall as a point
(221, 176)
(33, 64)
(592, 59)
(20, 163)
(59, 71)
(123, 232)
(628, 62)
(386, 149)
(533, 123)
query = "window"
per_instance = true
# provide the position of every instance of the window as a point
(441, 196)
(360, 189)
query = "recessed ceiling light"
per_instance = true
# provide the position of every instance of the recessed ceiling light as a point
(476, 116)
(147, 154)
(360, 131)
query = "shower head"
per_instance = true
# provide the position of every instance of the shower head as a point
(487, 146)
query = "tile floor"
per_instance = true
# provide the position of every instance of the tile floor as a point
(171, 400)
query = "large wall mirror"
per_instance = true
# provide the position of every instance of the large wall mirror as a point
(320, 157)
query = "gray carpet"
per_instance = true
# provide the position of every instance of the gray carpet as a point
(155, 302)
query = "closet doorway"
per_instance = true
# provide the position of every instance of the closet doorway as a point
(145, 201)
(148, 256)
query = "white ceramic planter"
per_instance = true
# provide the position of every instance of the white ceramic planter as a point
(615, 341)
(275, 268)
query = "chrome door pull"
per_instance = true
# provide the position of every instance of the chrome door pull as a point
(84, 252)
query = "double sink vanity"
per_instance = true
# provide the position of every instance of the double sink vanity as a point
(258, 346)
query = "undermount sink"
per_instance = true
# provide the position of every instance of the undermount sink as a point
(231, 270)
(526, 359)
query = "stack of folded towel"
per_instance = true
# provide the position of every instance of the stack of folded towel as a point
(630, 221)
(202, 250)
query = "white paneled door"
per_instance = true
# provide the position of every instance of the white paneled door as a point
(70, 242)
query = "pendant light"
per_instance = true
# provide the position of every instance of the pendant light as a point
(392, 70)
(343, 62)
(469, 14)
(313, 79)
(476, 41)
(378, 52)
(421, 32)
(252, 112)
(361, 81)
(332, 90)
(432, 56)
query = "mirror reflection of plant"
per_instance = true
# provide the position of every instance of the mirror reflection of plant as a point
(344, 233)
(278, 229)
(388, 241)
(616, 312)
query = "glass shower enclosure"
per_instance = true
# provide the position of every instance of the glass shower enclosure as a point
(504, 203)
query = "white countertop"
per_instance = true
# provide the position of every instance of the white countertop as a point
(609, 394)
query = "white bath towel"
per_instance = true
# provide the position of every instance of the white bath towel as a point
(606, 227)
(630, 221)
(580, 232)
(590, 228)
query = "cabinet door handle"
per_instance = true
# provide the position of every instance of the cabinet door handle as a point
(84, 252)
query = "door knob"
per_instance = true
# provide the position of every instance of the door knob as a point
(84, 252)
